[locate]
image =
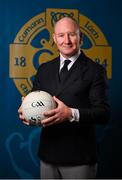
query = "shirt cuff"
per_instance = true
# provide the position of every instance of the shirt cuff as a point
(75, 115)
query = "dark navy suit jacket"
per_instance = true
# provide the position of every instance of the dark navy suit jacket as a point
(74, 143)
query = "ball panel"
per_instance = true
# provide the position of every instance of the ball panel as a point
(35, 104)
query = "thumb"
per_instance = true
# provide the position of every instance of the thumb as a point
(22, 98)
(56, 100)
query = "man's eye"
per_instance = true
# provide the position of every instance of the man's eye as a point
(72, 34)
(60, 35)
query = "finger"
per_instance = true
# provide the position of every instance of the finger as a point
(56, 99)
(49, 120)
(50, 113)
(51, 123)
(22, 98)
(26, 122)
(20, 110)
(20, 113)
(57, 121)
(21, 116)
(23, 120)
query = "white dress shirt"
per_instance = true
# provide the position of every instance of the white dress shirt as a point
(75, 112)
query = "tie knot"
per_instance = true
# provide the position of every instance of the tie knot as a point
(66, 62)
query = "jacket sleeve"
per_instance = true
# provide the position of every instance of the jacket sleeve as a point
(99, 110)
(37, 79)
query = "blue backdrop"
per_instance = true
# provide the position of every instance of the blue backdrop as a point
(19, 143)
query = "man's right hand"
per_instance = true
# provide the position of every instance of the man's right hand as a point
(21, 116)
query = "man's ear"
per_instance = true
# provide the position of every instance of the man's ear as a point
(54, 38)
(80, 33)
(81, 37)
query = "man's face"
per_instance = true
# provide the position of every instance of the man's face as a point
(66, 37)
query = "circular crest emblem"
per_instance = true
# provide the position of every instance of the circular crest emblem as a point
(34, 45)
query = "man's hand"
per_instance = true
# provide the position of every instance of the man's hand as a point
(57, 115)
(21, 114)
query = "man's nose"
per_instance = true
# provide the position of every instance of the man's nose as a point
(67, 38)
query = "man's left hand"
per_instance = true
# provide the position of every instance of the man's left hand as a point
(60, 114)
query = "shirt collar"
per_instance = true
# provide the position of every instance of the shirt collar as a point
(72, 58)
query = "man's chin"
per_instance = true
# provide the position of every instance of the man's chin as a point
(69, 54)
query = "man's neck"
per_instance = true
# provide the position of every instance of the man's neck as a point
(72, 56)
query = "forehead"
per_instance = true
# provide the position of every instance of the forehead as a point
(65, 24)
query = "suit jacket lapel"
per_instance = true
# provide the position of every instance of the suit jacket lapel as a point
(55, 74)
(76, 72)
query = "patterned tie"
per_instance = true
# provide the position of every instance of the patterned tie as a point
(64, 70)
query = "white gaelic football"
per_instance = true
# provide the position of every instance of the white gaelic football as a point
(35, 104)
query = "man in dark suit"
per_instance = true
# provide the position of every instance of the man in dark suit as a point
(68, 146)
